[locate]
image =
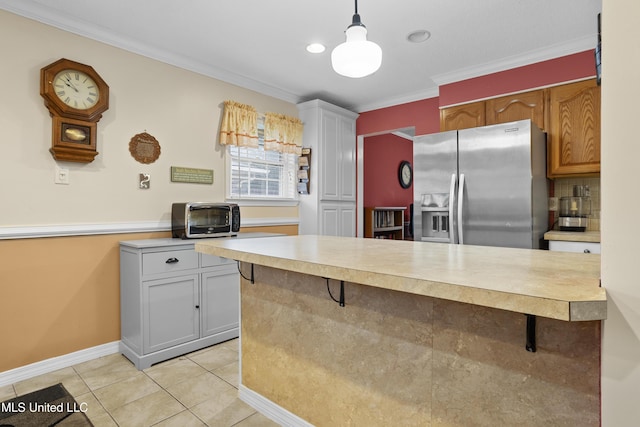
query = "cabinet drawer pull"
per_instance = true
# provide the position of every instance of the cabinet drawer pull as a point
(587, 251)
(172, 260)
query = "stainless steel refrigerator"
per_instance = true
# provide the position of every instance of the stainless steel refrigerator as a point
(481, 186)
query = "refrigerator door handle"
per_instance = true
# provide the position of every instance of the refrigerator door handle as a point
(452, 198)
(460, 208)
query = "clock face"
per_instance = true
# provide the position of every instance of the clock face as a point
(405, 174)
(76, 89)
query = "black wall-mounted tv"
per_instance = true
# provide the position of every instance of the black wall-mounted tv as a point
(598, 54)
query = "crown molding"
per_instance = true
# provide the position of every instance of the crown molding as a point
(527, 58)
(49, 16)
(402, 99)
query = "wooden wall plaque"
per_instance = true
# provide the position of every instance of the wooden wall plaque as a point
(144, 148)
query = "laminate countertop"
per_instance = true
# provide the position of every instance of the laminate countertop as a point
(564, 286)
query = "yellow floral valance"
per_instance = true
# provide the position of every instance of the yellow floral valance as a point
(282, 133)
(239, 125)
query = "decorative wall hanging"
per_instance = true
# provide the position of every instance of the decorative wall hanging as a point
(304, 163)
(191, 175)
(144, 148)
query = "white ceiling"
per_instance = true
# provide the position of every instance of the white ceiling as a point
(261, 44)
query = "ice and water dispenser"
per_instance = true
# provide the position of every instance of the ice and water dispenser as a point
(436, 223)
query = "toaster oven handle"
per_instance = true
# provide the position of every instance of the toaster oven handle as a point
(199, 207)
(172, 260)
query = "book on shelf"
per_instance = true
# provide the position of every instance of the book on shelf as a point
(384, 219)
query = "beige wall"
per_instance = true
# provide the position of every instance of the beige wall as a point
(61, 294)
(179, 108)
(620, 208)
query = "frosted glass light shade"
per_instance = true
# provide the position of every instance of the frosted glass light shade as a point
(356, 57)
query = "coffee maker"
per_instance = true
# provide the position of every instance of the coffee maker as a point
(575, 210)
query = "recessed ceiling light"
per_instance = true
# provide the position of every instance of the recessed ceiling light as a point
(418, 36)
(315, 48)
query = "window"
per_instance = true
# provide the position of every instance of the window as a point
(258, 174)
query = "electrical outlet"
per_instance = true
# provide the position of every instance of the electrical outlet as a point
(553, 204)
(61, 176)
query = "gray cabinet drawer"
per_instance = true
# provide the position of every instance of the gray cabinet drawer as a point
(212, 260)
(168, 261)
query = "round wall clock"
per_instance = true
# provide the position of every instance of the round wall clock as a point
(74, 90)
(405, 174)
(76, 96)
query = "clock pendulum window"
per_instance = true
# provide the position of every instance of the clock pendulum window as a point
(76, 96)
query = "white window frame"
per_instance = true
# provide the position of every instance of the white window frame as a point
(289, 180)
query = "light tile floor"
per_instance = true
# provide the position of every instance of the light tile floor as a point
(197, 389)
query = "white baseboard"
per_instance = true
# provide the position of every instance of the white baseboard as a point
(269, 409)
(49, 365)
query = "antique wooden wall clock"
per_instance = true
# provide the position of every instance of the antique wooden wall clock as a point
(76, 96)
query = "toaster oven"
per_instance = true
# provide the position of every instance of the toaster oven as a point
(200, 219)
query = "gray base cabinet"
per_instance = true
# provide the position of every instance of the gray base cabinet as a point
(174, 300)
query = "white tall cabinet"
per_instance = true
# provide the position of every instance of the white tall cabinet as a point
(330, 206)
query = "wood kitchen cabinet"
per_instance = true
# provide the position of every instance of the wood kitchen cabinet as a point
(574, 131)
(174, 300)
(504, 109)
(569, 114)
(520, 106)
(463, 116)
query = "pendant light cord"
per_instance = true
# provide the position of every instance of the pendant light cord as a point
(356, 18)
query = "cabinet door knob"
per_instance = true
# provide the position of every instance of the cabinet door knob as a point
(172, 260)
(197, 306)
(587, 251)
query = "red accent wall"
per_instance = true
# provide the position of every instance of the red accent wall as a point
(382, 157)
(546, 73)
(424, 115)
(382, 154)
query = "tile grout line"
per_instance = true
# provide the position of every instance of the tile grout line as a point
(94, 396)
(230, 350)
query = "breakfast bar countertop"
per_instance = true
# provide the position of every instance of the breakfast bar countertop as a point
(564, 286)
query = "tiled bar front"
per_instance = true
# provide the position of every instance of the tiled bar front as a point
(395, 358)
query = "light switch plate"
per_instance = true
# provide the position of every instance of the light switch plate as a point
(61, 176)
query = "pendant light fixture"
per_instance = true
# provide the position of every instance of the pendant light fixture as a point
(356, 57)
